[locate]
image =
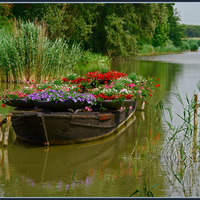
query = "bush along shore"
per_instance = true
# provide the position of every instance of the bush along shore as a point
(92, 89)
(187, 45)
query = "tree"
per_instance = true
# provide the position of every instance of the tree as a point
(161, 35)
(176, 31)
(5, 14)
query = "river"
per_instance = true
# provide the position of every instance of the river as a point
(112, 167)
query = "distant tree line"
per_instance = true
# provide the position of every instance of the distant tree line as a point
(191, 30)
(110, 29)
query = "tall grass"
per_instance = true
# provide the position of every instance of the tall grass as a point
(192, 43)
(88, 56)
(168, 48)
(181, 150)
(27, 53)
(147, 49)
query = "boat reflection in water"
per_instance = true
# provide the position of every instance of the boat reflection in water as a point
(53, 167)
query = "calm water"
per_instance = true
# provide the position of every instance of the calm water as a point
(105, 168)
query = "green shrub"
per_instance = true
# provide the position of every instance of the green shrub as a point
(198, 42)
(185, 46)
(146, 49)
(193, 46)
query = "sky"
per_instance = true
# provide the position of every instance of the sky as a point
(189, 12)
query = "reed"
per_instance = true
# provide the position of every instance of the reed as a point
(88, 56)
(181, 146)
(185, 46)
(28, 54)
(145, 192)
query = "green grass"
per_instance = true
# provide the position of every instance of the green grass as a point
(168, 48)
(28, 54)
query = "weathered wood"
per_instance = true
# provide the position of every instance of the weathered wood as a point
(53, 128)
(1, 132)
(195, 110)
(6, 164)
(45, 131)
(142, 105)
(6, 133)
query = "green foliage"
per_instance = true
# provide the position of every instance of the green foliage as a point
(176, 31)
(88, 56)
(116, 30)
(191, 30)
(71, 76)
(5, 14)
(185, 46)
(193, 46)
(161, 31)
(146, 48)
(132, 76)
(168, 48)
(28, 54)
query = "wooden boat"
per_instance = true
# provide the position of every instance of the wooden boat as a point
(46, 127)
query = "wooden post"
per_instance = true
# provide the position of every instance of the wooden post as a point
(6, 164)
(6, 134)
(142, 105)
(195, 110)
(1, 131)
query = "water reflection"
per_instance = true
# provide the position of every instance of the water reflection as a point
(105, 168)
(52, 167)
(47, 171)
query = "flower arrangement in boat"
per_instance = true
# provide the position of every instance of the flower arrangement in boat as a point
(57, 95)
(117, 88)
(104, 77)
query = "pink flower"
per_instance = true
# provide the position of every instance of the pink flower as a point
(32, 86)
(122, 108)
(130, 107)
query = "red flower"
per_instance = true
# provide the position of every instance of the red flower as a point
(49, 86)
(158, 85)
(3, 105)
(150, 95)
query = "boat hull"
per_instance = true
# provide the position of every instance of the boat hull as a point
(52, 128)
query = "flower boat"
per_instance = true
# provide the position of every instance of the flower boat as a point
(58, 112)
(50, 127)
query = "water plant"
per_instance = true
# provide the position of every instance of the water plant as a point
(181, 148)
(145, 192)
